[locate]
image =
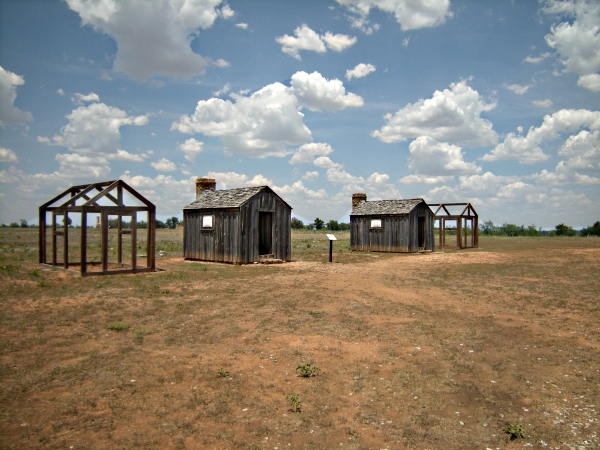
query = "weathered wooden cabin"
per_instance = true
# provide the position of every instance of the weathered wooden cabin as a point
(237, 226)
(391, 225)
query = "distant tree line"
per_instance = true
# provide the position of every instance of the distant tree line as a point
(318, 224)
(488, 228)
(171, 223)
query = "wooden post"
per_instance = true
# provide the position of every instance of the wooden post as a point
(53, 238)
(133, 240)
(119, 235)
(151, 249)
(66, 240)
(330, 251)
(83, 242)
(104, 241)
(476, 231)
(459, 232)
(42, 231)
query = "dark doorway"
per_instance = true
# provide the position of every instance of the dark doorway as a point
(265, 233)
(421, 231)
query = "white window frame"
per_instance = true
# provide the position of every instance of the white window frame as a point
(208, 218)
(374, 226)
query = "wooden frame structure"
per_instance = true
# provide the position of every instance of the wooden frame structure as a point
(84, 199)
(467, 216)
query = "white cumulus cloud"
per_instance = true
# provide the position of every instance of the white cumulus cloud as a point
(576, 43)
(9, 114)
(94, 129)
(164, 165)
(526, 149)
(191, 148)
(546, 103)
(260, 125)
(307, 153)
(317, 93)
(452, 115)
(517, 89)
(432, 158)
(591, 82)
(266, 122)
(360, 71)
(309, 40)
(410, 14)
(80, 99)
(153, 36)
(8, 156)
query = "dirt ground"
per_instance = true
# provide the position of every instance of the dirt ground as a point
(429, 351)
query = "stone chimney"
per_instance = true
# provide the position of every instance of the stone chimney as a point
(205, 184)
(357, 198)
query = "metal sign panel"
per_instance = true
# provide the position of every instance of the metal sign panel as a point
(331, 237)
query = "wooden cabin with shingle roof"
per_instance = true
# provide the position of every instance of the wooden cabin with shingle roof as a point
(238, 226)
(391, 225)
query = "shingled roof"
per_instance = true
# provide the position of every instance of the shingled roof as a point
(227, 198)
(377, 207)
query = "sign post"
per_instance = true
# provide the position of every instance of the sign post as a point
(331, 238)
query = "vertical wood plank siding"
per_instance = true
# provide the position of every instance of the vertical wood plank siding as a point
(234, 236)
(398, 233)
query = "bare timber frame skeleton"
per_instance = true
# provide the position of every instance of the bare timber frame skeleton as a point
(84, 200)
(468, 218)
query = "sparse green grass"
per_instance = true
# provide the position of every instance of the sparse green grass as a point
(118, 326)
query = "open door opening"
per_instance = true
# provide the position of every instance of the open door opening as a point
(421, 232)
(265, 234)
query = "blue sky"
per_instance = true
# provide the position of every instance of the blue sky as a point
(491, 102)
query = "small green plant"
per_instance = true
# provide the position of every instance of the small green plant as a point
(9, 269)
(295, 402)
(35, 272)
(307, 370)
(97, 286)
(137, 282)
(308, 245)
(515, 431)
(42, 284)
(204, 269)
(315, 314)
(222, 373)
(118, 326)
(164, 291)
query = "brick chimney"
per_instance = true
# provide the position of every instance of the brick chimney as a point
(357, 198)
(205, 184)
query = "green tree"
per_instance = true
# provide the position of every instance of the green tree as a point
(594, 230)
(333, 225)
(296, 223)
(318, 224)
(172, 222)
(23, 223)
(160, 224)
(488, 228)
(564, 230)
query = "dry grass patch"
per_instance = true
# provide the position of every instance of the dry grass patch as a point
(442, 350)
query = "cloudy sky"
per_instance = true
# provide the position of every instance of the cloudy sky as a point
(493, 102)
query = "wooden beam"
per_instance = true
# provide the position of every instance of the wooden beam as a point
(103, 193)
(119, 239)
(66, 242)
(136, 194)
(134, 241)
(42, 236)
(83, 243)
(104, 241)
(53, 239)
